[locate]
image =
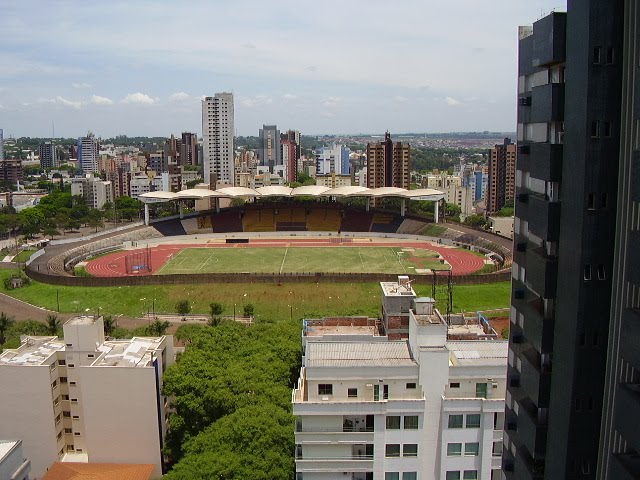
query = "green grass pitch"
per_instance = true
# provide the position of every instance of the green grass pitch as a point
(302, 259)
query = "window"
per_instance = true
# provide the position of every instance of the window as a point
(392, 476)
(587, 272)
(411, 422)
(610, 55)
(471, 449)
(62, 362)
(591, 201)
(53, 385)
(606, 129)
(66, 414)
(352, 392)
(481, 390)
(454, 449)
(72, 383)
(63, 379)
(90, 355)
(601, 273)
(74, 400)
(410, 450)
(454, 385)
(392, 450)
(596, 55)
(455, 421)
(325, 389)
(71, 365)
(77, 434)
(411, 385)
(393, 422)
(497, 449)
(76, 417)
(470, 475)
(453, 475)
(473, 420)
(604, 199)
(410, 476)
(595, 129)
(68, 430)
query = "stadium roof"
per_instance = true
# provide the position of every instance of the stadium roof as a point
(283, 191)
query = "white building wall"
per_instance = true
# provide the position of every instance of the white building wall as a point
(27, 413)
(217, 136)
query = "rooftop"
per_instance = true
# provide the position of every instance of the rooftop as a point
(136, 352)
(478, 353)
(396, 289)
(33, 351)
(359, 354)
(6, 446)
(82, 320)
(99, 471)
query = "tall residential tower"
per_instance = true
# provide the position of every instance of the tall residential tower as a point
(502, 175)
(388, 164)
(217, 137)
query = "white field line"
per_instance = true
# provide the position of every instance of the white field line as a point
(284, 259)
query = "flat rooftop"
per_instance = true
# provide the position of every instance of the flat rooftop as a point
(394, 289)
(33, 351)
(136, 352)
(478, 353)
(434, 319)
(359, 354)
(6, 446)
(82, 320)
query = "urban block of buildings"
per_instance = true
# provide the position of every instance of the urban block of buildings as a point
(84, 398)
(415, 396)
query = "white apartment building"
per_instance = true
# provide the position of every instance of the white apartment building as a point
(95, 191)
(88, 153)
(333, 159)
(84, 398)
(423, 408)
(217, 136)
(13, 465)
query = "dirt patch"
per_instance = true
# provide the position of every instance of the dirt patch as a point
(500, 324)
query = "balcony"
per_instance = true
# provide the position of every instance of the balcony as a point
(547, 103)
(544, 161)
(549, 39)
(350, 463)
(333, 437)
(542, 273)
(526, 467)
(537, 330)
(629, 346)
(532, 430)
(535, 379)
(544, 218)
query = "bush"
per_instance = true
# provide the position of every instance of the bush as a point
(183, 307)
(248, 310)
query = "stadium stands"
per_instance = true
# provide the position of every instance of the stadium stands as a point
(385, 223)
(356, 221)
(259, 220)
(323, 220)
(170, 228)
(227, 222)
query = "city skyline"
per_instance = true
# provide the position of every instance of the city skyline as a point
(142, 69)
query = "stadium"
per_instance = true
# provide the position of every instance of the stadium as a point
(309, 234)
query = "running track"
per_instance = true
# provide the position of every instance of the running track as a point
(462, 262)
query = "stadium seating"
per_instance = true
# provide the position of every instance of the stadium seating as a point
(169, 228)
(323, 220)
(385, 223)
(259, 220)
(355, 221)
(227, 222)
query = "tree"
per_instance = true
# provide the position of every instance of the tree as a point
(109, 325)
(216, 310)
(5, 323)
(53, 324)
(453, 210)
(248, 310)
(94, 219)
(183, 307)
(475, 221)
(158, 328)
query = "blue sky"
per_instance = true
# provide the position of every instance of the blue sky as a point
(140, 67)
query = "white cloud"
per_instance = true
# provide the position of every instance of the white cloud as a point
(452, 102)
(255, 101)
(138, 98)
(290, 96)
(98, 100)
(81, 85)
(179, 97)
(58, 100)
(331, 102)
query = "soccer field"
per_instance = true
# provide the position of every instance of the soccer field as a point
(303, 260)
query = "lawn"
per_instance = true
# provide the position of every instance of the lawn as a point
(23, 256)
(271, 301)
(302, 259)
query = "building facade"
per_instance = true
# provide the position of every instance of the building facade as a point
(11, 170)
(269, 149)
(48, 155)
(428, 406)
(569, 109)
(333, 159)
(388, 164)
(217, 137)
(96, 193)
(71, 399)
(189, 149)
(88, 154)
(502, 175)
(1, 144)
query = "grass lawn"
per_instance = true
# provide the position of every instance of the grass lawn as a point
(302, 259)
(23, 256)
(271, 301)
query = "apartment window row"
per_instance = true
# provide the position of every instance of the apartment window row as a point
(405, 476)
(603, 55)
(410, 422)
(592, 201)
(471, 449)
(464, 475)
(408, 450)
(458, 420)
(600, 129)
(584, 341)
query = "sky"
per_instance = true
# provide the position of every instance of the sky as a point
(141, 67)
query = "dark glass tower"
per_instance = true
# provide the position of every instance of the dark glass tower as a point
(569, 131)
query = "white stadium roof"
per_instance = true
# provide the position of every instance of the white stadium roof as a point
(282, 191)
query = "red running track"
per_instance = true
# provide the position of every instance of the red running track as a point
(461, 261)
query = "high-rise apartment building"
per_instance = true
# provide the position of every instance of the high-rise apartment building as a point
(217, 137)
(333, 159)
(94, 191)
(289, 159)
(1, 144)
(11, 170)
(85, 398)
(502, 175)
(403, 400)
(189, 149)
(88, 154)
(388, 164)
(565, 234)
(269, 151)
(48, 155)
